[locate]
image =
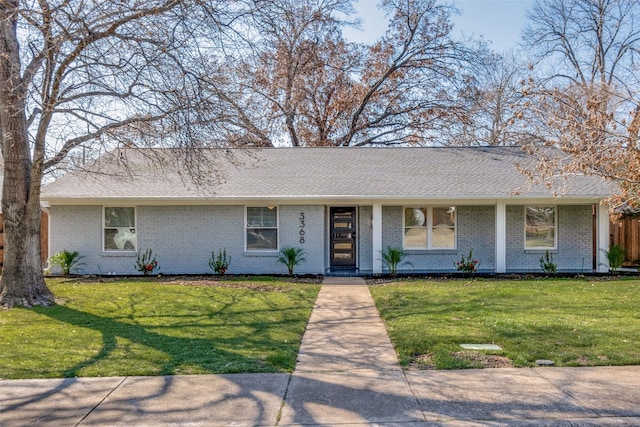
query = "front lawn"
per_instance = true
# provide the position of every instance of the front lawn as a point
(573, 322)
(152, 327)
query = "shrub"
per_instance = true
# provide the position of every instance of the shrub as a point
(615, 255)
(467, 264)
(392, 257)
(67, 261)
(547, 264)
(291, 257)
(146, 262)
(219, 263)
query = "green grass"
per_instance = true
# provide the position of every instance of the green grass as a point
(147, 327)
(574, 322)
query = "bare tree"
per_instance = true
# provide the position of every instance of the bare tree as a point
(418, 78)
(86, 75)
(299, 82)
(586, 91)
(494, 115)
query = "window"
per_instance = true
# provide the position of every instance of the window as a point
(262, 228)
(540, 227)
(430, 228)
(415, 228)
(119, 229)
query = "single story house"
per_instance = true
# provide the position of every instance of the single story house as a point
(342, 206)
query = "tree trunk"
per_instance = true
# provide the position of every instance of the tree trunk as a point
(22, 280)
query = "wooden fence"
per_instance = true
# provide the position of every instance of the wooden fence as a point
(626, 233)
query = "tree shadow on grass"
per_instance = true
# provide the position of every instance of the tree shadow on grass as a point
(196, 354)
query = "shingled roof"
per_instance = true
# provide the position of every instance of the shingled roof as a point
(444, 173)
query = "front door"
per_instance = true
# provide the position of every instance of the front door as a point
(343, 237)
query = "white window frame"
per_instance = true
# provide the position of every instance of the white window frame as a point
(277, 228)
(135, 227)
(429, 227)
(555, 229)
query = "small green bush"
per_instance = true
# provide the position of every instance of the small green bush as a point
(146, 262)
(615, 255)
(67, 261)
(392, 257)
(291, 257)
(547, 264)
(219, 263)
(467, 264)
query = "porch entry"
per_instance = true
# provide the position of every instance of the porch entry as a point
(342, 228)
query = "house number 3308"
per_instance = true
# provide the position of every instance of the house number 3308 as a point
(301, 218)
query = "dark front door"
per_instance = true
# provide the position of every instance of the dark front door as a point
(343, 237)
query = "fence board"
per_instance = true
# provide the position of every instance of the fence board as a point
(626, 233)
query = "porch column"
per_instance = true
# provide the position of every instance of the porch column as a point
(376, 231)
(501, 237)
(602, 239)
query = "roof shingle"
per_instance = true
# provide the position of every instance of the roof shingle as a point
(323, 172)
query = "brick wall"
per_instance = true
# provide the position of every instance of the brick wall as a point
(475, 230)
(314, 236)
(365, 240)
(575, 240)
(183, 238)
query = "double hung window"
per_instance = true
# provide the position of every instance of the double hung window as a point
(119, 229)
(262, 228)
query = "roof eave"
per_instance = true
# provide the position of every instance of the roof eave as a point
(325, 199)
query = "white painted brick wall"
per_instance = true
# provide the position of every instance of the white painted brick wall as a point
(475, 229)
(365, 240)
(575, 236)
(183, 238)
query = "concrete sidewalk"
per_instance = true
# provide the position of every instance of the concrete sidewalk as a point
(347, 374)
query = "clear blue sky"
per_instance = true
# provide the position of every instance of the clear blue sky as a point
(497, 21)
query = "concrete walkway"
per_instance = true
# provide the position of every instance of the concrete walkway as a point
(347, 375)
(347, 370)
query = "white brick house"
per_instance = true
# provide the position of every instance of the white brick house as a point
(343, 206)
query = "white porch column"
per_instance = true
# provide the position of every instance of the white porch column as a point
(602, 239)
(501, 237)
(376, 230)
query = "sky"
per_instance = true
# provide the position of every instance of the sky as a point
(497, 21)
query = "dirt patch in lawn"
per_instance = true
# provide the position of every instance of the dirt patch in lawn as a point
(482, 360)
(423, 362)
(475, 358)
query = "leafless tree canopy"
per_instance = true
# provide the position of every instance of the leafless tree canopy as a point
(495, 114)
(293, 79)
(99, 73)
(584, 96)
